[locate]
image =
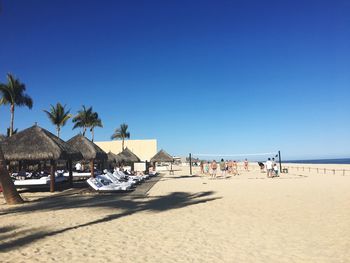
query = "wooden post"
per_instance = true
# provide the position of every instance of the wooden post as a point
(309, 169)
(317, 170)
(52, 176)
(324, 170)
(333, 171)
(190, 157)
(92, 167)
(70, 169)
(344, 172)
(280, 160)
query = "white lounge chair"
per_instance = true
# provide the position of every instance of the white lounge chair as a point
(102, 184)
(32, 181)
(108, 176)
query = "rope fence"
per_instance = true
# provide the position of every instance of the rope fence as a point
(318, 170)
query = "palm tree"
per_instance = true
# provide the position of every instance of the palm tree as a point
(13, 132)
(58, 116)
(82, 119)
(13, 94)
(121, 133)
(11, 195)
(94, 122)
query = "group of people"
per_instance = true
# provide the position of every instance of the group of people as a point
(227, 167)
(271, 168)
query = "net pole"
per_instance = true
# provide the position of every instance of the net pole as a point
(190, 157)
(279, 159)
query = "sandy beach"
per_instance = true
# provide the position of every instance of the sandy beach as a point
(247, 218)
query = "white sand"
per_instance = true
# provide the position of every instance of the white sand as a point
(247, 218)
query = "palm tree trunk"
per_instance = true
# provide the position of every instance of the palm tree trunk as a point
(84, 131)
(123, 144)
(11, 195)
(12, 109)
(58, 131)
(92, 134)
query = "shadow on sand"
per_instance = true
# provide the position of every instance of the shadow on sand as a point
(120, 206)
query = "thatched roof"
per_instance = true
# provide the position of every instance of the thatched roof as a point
(88, 149)
(127, 156)
(111, 157)
(36, 143)
(162, 156)
(2, 137)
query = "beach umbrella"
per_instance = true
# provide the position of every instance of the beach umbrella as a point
(89, 150)
(37, 144)
(127, 156)
(111, 158)
(163, 156)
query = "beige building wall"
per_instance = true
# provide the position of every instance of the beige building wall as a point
(144, 149)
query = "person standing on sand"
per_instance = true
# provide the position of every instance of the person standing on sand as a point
(235, 168)
(213, 167)
(222, 168)
(206, 168)
(230, 165)
(275, 170)
(202, 167)
(273, 167)
(269, 168)
(246, 165)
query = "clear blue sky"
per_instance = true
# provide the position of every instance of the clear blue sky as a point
(199, 76)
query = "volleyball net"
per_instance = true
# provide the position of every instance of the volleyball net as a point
(255, 157)
(251, 157)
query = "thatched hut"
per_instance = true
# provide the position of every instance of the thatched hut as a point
(127, 157)
(162, 157)
(111, 159)
(88, 149)
(36, 144)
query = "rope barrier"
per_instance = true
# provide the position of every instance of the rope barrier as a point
(232, 155)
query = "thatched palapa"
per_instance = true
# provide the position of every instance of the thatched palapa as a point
(88, 149)
(162, 156)
(37, 144)
(127, 156)
(111, 157)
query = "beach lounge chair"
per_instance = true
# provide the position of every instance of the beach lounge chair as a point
(101, 184)
(36, 179)
(109, 176)
(133, 177)
(78, 175)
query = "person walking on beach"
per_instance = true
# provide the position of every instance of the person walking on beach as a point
(213, 167)
(269, 168)
(246, 165)
(223, 168)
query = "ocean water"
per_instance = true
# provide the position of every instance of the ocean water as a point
(321, 161)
